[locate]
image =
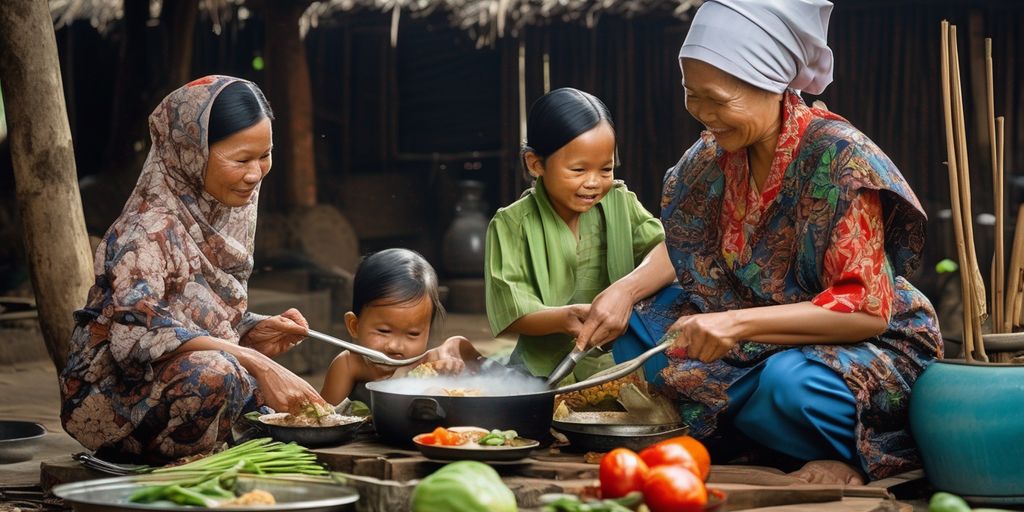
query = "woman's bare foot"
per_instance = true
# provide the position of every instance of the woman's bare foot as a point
(829, 472)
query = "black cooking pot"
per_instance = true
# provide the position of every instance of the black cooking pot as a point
(398, 417)
(507, 400)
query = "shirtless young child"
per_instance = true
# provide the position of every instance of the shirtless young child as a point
(395, 301)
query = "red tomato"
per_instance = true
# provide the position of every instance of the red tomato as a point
(697, 450)
(671, 454)
(674, 489)
(428, 439)
(622, 472)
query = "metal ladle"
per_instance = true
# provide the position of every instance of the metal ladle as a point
(372, 355)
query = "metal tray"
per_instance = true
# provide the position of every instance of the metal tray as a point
(596, 437)
(296, 494)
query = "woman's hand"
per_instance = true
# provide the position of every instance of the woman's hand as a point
(707, 336)
(283, 390)
(277, 334)
(607, 319)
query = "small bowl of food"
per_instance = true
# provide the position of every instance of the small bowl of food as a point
(474, 443)
(314, 426)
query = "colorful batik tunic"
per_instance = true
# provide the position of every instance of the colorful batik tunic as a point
(172, 267)
(834, 224)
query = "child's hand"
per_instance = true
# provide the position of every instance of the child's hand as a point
(449, 366)
(447, 358)
(575, 316)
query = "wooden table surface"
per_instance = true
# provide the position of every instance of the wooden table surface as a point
(386, 476)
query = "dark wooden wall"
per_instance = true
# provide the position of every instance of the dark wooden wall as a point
(397, 127)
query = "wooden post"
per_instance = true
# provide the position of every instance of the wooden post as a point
(290, 94)
(46, 182)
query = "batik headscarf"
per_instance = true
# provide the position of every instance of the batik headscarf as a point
(771, 44)
(175, 264)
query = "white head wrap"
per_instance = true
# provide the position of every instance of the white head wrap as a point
(770, 44)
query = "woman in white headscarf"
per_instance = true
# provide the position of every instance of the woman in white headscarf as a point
(790, 234)
(166, 356)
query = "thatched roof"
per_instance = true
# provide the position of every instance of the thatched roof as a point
(102, 14)
(485, 20)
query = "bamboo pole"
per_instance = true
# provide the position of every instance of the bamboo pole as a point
(1015, 289)
(999, 320)
(954, 199)
(978, 295)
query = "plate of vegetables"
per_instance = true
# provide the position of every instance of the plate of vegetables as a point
(474, 443)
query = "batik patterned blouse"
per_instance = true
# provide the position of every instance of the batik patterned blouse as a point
(835, 224)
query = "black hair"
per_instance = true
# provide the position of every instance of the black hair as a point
(237, 107)
(397, 276)
(560, 116)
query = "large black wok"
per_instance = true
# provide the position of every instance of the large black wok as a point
(405, 407)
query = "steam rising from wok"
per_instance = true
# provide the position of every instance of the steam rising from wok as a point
(473, 385)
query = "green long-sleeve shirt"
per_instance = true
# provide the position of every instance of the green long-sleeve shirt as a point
(534, 262)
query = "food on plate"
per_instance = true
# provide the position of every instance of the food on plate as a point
(674, 489)
(442, 437)
(310, 415)
(464, 486)
(622, 472)
(284, 419)
(472, 437)
(253, 497)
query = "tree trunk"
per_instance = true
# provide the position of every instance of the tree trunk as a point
(290, 95)
(45, 179)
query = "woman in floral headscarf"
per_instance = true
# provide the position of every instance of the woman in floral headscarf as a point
(166, 357)
(791, 235)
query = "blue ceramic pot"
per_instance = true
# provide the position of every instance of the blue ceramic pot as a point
(968, 424)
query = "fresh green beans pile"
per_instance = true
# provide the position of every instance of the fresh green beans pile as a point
(262, 456)
(209, 481)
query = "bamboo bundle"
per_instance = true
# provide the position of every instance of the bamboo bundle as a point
(959, 193)
(1000, 323)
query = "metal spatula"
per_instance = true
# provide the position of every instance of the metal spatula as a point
(624, 368)
(567, 365)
